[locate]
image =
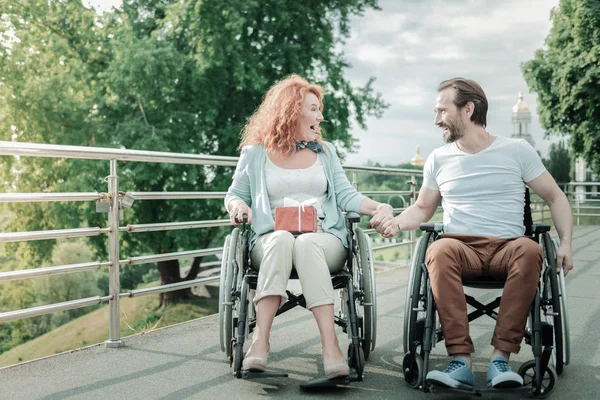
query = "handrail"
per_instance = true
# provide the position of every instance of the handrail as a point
(41, 197)
(113, 230)
(52, 234)
(48, 271)
(169, 226)
(103, 153)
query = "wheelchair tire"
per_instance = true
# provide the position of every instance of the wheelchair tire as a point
(369, 290)
(562, 288)
(413, 290)
(230, 282)
(240, 331)
(358, 364)
(556, 320)
(222, 290)
(412, 367)
(549, 378)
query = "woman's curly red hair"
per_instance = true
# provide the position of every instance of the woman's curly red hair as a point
(275, 122)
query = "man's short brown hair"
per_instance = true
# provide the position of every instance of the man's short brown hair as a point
(467, 90)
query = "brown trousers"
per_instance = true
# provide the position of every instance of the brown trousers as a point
(454, 256)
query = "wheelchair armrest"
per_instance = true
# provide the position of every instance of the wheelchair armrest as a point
(432, 227)
(353, 216)
(540, 228)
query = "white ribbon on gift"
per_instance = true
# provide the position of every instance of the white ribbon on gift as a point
(288, 202)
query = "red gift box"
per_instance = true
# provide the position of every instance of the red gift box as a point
(296, 219)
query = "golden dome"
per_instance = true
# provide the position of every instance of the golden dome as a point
(521, 106)
(417, 159)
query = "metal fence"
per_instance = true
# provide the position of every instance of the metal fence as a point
(114, 200)
(583, 200)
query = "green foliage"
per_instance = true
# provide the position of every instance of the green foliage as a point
(30, 293)
(566, 76)
(67, 287)
(179, 76)
(559, 162)
(381, 182)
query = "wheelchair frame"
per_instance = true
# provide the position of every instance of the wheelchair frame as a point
(547, 333)
(355, 280)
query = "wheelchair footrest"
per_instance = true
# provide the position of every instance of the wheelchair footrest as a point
(477, 392)
(327, 384)
(263, 374)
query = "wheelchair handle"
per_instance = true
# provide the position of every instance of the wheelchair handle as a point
(353, 216)
(432, 227)
(244, 219)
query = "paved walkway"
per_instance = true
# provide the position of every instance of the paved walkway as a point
(185, 362)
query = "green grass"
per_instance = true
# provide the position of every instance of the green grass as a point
(137, 316)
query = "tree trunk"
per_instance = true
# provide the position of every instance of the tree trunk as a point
(169, 273)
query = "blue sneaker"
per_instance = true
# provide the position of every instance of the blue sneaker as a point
(500, 375)
(458, 375)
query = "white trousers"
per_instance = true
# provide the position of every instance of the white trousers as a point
(314, 255)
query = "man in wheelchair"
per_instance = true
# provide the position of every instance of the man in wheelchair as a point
(480, 179)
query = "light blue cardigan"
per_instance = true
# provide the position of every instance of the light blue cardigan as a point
(249, 185)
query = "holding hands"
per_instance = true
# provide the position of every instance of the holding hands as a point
(383, 221)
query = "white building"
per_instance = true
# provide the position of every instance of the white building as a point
(521, 119)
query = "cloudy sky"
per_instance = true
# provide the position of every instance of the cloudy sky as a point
(410, 46)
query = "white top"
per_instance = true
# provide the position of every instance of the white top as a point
(298, 184)
(483, 193)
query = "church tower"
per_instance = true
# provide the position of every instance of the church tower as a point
(521, 119)
(417, 159)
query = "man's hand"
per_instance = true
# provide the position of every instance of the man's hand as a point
(382, 212)
(564, 258)
(387, 226)
(237, 208)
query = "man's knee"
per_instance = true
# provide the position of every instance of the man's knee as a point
(441, 253)
(531, 253)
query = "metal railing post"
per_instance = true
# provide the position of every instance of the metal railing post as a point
(114, 331)
(413, 199)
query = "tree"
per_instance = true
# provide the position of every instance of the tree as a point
(179, 76)
(559, 162)
(566, 76)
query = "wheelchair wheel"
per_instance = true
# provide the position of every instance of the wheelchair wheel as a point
(357, 363)
(369, 301)
(562, 291)
(549, 378)
(557, 317)
(222, 289)
(413, 292)
(240, 330)
(412, 365)
(233, 262)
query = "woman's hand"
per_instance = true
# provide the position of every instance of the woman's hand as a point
(237, 209)
(382, 213)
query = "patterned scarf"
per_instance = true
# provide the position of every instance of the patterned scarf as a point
(313, 145)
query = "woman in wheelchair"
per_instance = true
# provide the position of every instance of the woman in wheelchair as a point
(283, 155)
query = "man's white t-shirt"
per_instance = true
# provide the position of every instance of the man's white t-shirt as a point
(483, 193)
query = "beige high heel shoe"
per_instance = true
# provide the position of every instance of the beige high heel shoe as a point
(333, 371)
(253, 363)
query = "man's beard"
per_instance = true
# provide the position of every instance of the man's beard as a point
(455, 131)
